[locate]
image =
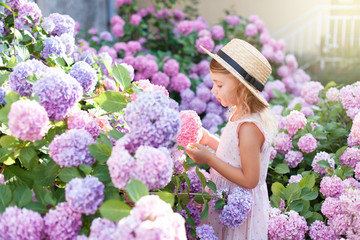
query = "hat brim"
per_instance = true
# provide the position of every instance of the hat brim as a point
(227, 66)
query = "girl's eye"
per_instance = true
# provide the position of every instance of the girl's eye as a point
(219, 86)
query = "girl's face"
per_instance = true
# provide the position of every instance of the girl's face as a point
(225, 88)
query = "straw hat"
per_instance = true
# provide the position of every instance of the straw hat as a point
(246, 63)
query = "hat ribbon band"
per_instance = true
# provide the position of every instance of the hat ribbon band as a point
(240, 70)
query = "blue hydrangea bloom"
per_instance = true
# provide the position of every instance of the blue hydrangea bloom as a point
(2, 95)
(85, 195)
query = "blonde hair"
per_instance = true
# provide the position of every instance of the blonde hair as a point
(250, 103)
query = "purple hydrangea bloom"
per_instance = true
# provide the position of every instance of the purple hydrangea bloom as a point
(62, 24)
(69, 42)
(195, 181)
(2, 179)
(53, 45)
(21, 224)
(207, 80)
(32, 10)
(237, 207)
(70, 148)
(160, 79)
(206, 42)
(352, 182)
(17, 78)
(307, 143)
(322, 156)
(151, 120)
(341, 224)
(187, 95)
(82, 119)
(102, 229)
(195, 213)
(251, 30)
(203, 93)
(350, 157)
(289, 225)
(205, 232)
(58, 93)
(211, 121)
(197, 105)
(319, 231)
(293, 158)
(85, 75)
(16, 4)
(178, 157)
(295, 178)
(282, 143)
(62, 222)
(171, 67)
(84, 195)
(214, 108)
(332, 186)
(28, 120)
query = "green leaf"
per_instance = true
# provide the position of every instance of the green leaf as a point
(112, 193)
(115, 134)
(12, 62)
(23, 52)
(18, 176)
(4, 113)
(45, 174)
(296, 205)
(7, 141)
(348, 171)
(4, 76)
(11, 97)
(108, 67)
(201, 177)
(6, 6)
(23, 196)
(308, 194)
(28, 157)
(205, 212)
(167, 197)
(308, 181)
(136, 189)
(211, 185)
(278, 189)
(37, 207)
(67, 174)
(5, 197)
(329, 85)
(340, 151)
(292, 192)
(105, 140)
(100, 152)
(323, 163)
(114, 210)
(86, 169)
(282, 168)
(220, 204)
(121, 75)
(102, 173)
(32, 79)
(111, 101)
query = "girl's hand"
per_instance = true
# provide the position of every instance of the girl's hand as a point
(205, 137)
(199, 153)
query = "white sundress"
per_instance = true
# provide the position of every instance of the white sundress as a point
(255, 226)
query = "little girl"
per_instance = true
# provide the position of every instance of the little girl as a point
(239, 72)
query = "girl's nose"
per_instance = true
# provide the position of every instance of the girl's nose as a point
(213, 90)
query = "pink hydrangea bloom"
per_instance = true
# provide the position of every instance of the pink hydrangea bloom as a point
(217, 32)
(274, 85)
(147, 86)
(357, 171)
(307, 143)
(179, 15)
(319, 231)
(118, 30)
(251, 30)
(288, 225)
(206, 42)
(322, 156)
(233, 20)
(295, 121)
(272, 153)
(82, 119)
(331, 207)
(180, 82)
(28, 120)
(135, 19)
(279, 56)
(171, 67)
(113, 21)
(185, 27)
(291, 62)
(332, 186)
(295, 178)
(283, 143)
(160, 79)
(352, 182)
(310, 92)
(355, 128)
(293, 158)
(332, 94)
(350, 201)
(191, 131)
(349, 96)
(340, 223)
(268, 51)
(350, 157)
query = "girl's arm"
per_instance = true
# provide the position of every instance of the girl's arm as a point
(250, 142)
(210, 140)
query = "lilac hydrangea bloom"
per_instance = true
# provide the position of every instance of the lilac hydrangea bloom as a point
(85, 195)
(293, 158)
(319, 231)
(160, 79)
(69, 43)
(180, 82)
(352, 140)
(28, 120)
(21, 224)
(102, 229)
(85, 75)
(341, 224)
(332, 186)
(178, 157)
(187, 95)
(53, 45)
(82, 119)
(32, 10)
(58, 93)
(357, 171)
(322, 156)
(237, 207)
(307, 143)
(17, 78)
(171, 67)
(295, 178)
(282, 143)
(206, 42)
(203, 93)
(211, 121)
(16, 4)
(70, 148)
(62, 24)
(2, 179)
(205, 232)
(151, 120)
(62, 222)
(350, 157)
(198, 105)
